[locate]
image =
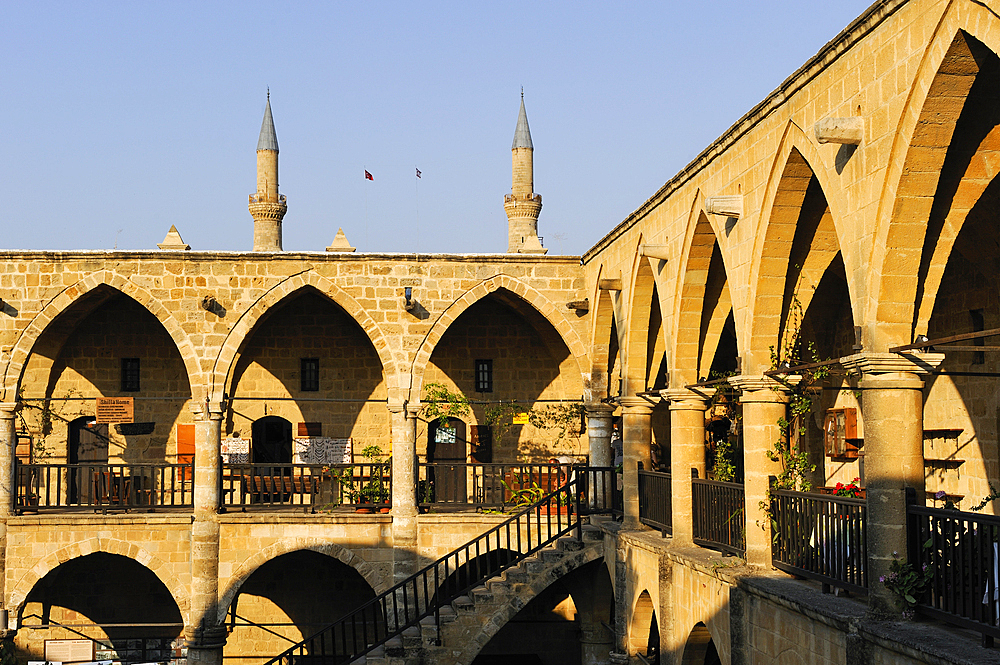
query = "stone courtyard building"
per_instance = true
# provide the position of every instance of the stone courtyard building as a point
(837, 246)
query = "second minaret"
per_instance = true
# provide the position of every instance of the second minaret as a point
(522, 205)
(267, 206)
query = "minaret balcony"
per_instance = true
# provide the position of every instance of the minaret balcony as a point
(256, 198)
(511, 198)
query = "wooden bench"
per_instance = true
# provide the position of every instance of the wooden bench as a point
(277, 489)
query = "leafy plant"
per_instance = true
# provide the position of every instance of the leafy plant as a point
(522, 494)
(441, 404)
(906, 582)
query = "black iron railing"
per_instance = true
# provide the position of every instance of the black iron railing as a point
(654, 500)
(102, 487)
(963, 552)
(496, 486)
(719, 515)
(821, 537)
(423, 594)
(311, 487)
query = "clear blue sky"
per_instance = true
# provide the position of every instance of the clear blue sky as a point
(120, 119)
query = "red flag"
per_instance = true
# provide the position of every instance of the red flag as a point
(368, 176)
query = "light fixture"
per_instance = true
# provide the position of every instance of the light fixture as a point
(408, 303)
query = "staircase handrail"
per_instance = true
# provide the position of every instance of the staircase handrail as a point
(402, 609)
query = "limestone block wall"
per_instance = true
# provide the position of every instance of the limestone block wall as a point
(37, 545)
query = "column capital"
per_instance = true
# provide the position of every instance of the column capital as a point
(763, 388)
(207, 410)
(599, 409)
(636, 405)
(685, 399)
(892, 363)
(7, 409)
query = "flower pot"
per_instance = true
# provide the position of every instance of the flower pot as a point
(384, 511)
(363, 510)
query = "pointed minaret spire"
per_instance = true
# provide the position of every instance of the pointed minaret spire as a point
(522, 135)
(267, 206)
(268, 138)
(522, 205)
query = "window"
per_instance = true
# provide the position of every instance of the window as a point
(484, 376)
(310, 374)
(130, 375)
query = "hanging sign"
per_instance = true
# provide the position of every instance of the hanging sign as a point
(114, 410)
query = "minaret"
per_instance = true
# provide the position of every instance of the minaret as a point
(522, 205)
(267, 206)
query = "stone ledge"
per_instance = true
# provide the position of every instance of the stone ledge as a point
(99, 520)
(300, 518)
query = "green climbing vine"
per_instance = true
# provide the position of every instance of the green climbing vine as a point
(795, 464)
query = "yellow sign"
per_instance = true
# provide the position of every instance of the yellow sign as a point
(520, 419)
(114, 410)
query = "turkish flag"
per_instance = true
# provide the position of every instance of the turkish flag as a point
(368, 176)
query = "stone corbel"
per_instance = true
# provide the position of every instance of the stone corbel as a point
(610, 283)
(847, 131)
(727, 206)
(655, 252)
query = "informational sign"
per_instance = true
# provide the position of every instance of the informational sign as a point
(69, 651)
(235, 451)
(520, 419)
(114, 410)
(322, 450)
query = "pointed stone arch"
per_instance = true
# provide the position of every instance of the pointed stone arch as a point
(642, 286)
(792, 177)
(642, 618)
(946, 72)
(700, 240)
(68, 297)
(539, 302)
(18, 594)
(244, 327)
(375, 579)
(600, 347)
(490, 625)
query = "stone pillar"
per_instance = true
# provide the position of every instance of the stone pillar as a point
(636, 414)
(8, 443)
(204, 635)
(892, 403)
(404, 489)
(764, 402)
(687, 451)
(599, 438)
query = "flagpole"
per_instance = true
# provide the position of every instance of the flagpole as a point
(416, 208)
(367, 246)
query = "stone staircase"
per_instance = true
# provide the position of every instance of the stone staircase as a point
(471, 621)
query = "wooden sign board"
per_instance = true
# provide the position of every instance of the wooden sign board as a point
(115, 410)
(69, 651)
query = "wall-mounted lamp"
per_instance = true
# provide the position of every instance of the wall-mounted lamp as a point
(408, 303)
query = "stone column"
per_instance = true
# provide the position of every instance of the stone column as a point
(636, 414)
(8, 443)
(599, 438)
(404, 489)
(204, 635)
(892, 403)
(764, 402)
(687, 451)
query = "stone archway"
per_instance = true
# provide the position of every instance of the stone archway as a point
(525, 293)
(71, 295)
